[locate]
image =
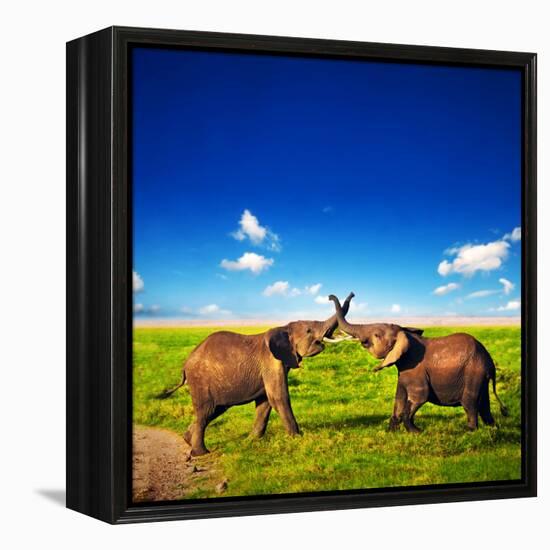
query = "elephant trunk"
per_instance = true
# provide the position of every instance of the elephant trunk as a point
(348, 328)
(332, 322)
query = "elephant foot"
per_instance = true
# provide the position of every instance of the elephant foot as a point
(199, 452)
(256, 435)
(411, 428)
(394, 424)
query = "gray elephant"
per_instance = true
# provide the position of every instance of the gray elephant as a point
(229, 369)
(450, 371)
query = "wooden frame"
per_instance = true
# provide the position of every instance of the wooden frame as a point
(99, 290)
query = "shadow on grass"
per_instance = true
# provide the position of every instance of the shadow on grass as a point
(351, 422)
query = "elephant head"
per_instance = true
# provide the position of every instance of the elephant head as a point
(382, 340)
(303, 338)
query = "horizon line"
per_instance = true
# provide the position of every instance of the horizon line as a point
(422, 320)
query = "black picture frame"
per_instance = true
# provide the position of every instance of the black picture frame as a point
(99, 289)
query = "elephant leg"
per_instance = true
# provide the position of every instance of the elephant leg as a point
(408, 416)
(263, 410)
(485, 406)
(398, 407)
(205, 415)
(276, 386)
(471, 407)
(416, 397)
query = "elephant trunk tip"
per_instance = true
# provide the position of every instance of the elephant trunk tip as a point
(333, 298)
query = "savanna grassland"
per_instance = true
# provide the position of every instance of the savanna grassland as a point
(343, 409)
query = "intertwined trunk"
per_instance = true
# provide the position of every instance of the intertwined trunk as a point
(348, 328)
(332, 322)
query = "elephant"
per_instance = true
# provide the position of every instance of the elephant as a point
(229, 369)
(449, 371)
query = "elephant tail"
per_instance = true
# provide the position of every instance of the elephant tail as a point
(503, 408)
(168, 392)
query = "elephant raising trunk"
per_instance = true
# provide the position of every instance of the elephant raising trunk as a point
(341, 312)
(228, 369)
(332, 322)
(446, 371)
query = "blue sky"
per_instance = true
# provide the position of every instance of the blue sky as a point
(263, 183)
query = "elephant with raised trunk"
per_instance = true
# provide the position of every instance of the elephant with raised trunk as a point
(450, 371)
(229, 369)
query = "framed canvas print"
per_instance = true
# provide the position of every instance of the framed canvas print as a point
(301, 275)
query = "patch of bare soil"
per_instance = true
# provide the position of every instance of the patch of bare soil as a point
(163, 468)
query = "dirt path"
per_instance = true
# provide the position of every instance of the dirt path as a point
(163, 469)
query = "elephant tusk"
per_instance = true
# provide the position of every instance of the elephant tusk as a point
(336, 340)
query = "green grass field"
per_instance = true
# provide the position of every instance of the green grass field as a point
(343, 409)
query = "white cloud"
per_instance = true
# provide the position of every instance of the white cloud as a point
(186, 310)
(395, 308)
(471, 258)
(137, 282)
(514, 236)
(314, 289)
(444, 268)
(322, 300)
(358, 307)
(250, 227)
(508, 285)
(481, 294)
(512, 305)
(213, 309)
(452, 250)
(249, 260)
(138, 308)
(154, 308)
(210, 308)
(282, 288)
(445, 289)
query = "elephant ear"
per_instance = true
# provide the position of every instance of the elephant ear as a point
(280, 346)
(417, 331)
(399, 349)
